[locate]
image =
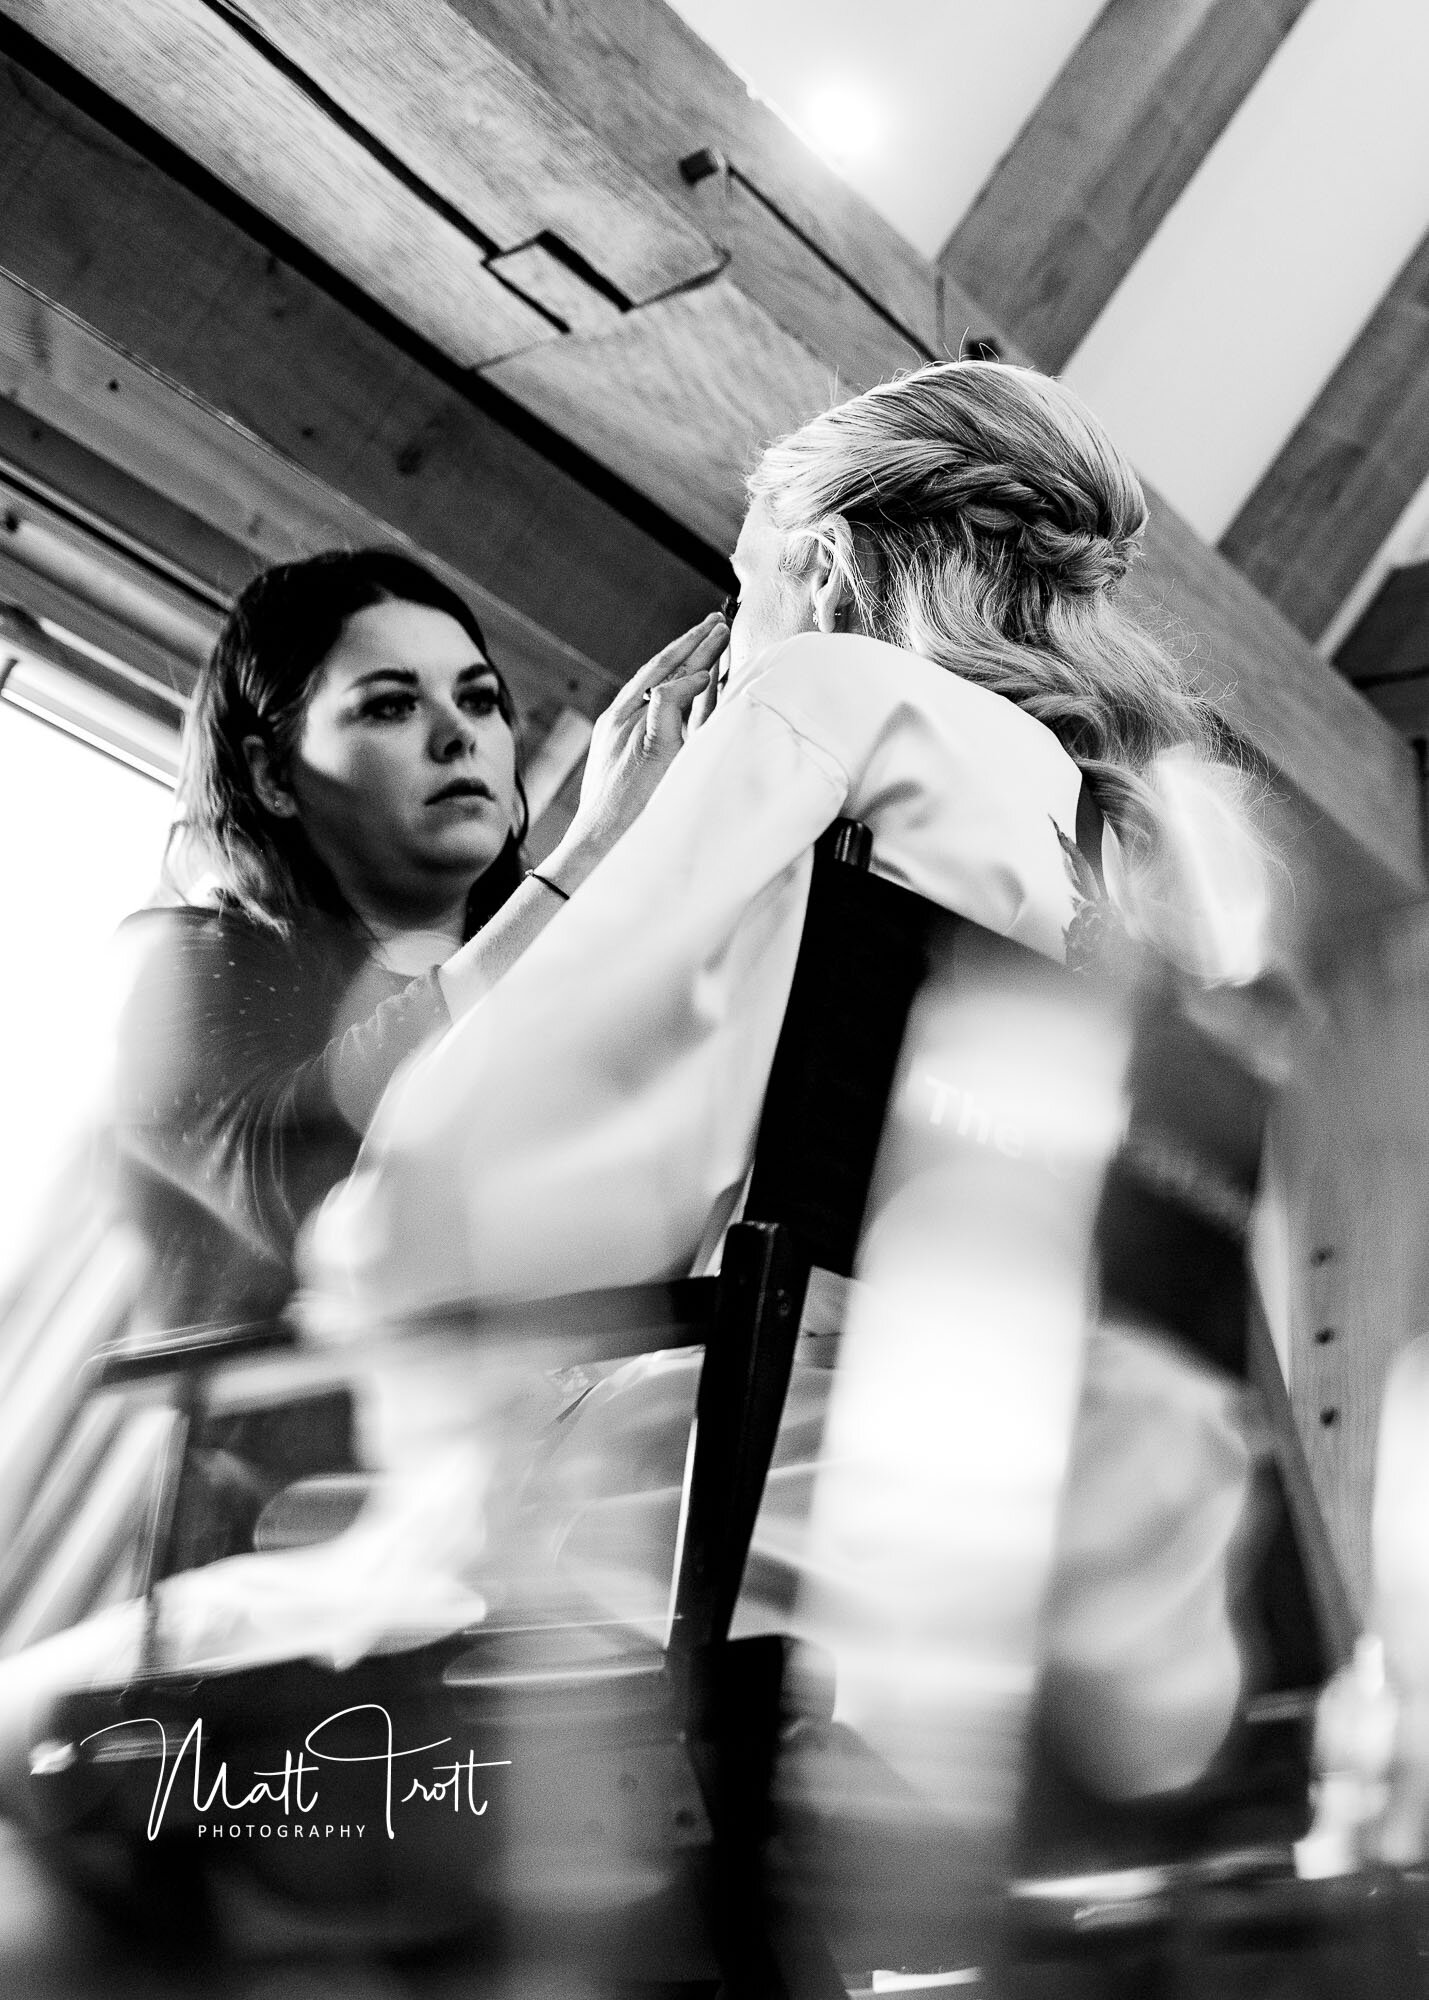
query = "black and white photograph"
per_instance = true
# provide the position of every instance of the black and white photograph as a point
(714, 1042)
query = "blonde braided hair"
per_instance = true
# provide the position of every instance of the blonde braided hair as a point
(992, 520)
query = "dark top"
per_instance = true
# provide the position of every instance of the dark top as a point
(249, 1066)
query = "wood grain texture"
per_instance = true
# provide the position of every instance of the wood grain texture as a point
(209, 91)
(158, 433)
(1309, 530)
(791, 282)
(61, 468)
(1404, 704)
(679, 397)
(155, 667)
(1390, 640)
(1082, 190)
(556, 288)
(652, 92)
(1355, 772)
(278, 418)
(140, 596)
(484, 135)
(1352, 1138)
(675, 399)
(1386, 653)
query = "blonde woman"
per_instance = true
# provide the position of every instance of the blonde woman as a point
(928, 639)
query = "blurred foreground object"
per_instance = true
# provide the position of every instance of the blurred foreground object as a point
(1372, 1729)
(935, 1517)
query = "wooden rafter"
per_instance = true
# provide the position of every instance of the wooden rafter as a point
(645, 84)
(184, 69)
(274, 419)
(674, 397)
(482, 135)
(1359, 455)
(1386, 654)
(1143, 98)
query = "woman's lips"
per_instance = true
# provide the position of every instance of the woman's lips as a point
(462, 791)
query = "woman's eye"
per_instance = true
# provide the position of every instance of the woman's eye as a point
(387, 708)
(481, 700)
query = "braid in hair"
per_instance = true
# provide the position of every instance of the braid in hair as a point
(993, 520)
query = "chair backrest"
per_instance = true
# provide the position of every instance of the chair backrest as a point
(870, 949)
(862, 959)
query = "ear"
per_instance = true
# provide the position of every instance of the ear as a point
(830, 581)
(271, 793)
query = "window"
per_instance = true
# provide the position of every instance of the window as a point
(81, 842)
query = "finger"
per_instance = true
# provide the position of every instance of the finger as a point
(667, 709)
(710, 632)
(701, 663)
(704, 704)
(681, 690)
(702, 708)
(709, 649)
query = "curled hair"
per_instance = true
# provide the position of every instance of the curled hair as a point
(992, 520)
(258, 682)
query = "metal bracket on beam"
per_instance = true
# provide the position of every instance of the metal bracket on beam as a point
(700, 165)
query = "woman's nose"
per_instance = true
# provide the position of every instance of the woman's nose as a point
(453, 735)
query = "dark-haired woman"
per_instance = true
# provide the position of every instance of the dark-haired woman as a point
(352, 816)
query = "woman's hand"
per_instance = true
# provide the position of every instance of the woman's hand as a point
(637, 739)
(632, 747)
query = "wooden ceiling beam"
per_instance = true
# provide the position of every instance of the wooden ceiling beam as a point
(1386, 654)
(68, 474)
(180, 66)
(674, 397)
(1350, 819)
(1325, 507)
(642, 81)
(1082, 190)
(485, 137)
(276, 419)
(678, 397)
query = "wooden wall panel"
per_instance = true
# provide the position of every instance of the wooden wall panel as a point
(1144, 97)
(1352, 1141)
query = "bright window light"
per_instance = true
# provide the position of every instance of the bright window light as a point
(82, 838)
